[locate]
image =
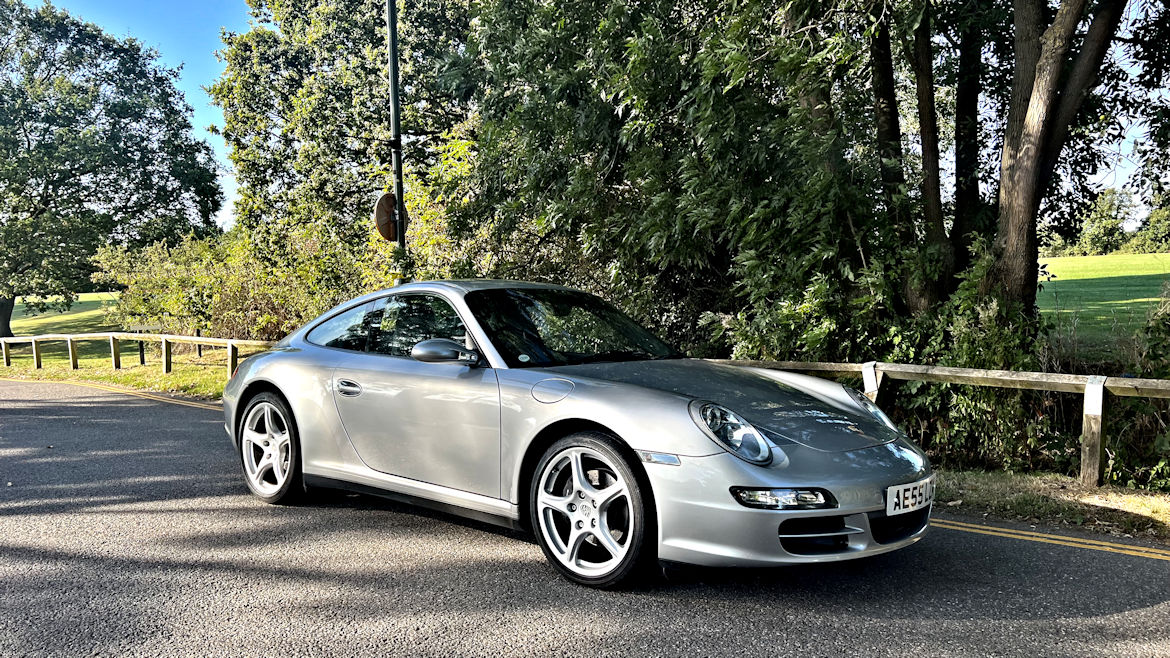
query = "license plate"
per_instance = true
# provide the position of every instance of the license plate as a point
(903, 498)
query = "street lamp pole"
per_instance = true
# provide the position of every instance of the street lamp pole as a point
(395, 124)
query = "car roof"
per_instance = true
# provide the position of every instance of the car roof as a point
(469, 285)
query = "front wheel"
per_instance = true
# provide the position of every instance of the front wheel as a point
(589, 511)
(270, 450)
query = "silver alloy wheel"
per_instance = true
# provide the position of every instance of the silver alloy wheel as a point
(266, 447)
(584, 511)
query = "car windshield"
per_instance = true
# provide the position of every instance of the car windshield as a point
(532, 327)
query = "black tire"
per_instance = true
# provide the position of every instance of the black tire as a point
(272, 490)
(602, 457)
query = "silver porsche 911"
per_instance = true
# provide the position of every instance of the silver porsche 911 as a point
(543, 407)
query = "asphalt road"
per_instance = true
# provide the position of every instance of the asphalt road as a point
(127, 530)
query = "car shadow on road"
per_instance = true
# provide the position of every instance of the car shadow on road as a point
(948, 575)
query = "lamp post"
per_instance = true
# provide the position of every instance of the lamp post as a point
(395, 124)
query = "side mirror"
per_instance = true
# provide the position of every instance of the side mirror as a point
(441, 350)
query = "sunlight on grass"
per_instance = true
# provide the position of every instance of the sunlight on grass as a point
(1100, 302)
(86, 316)
(191, 375)
(1056, 500)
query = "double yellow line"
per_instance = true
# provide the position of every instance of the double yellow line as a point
(123, 391)
(1059, 540)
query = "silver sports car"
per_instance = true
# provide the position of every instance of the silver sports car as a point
(543, 407)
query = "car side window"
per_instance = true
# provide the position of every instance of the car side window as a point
(347, 330)
(409, 319)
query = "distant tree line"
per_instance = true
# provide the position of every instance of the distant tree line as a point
(1111, 225)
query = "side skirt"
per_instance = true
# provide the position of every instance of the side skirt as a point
(323, 482)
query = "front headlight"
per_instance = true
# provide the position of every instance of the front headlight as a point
(868, 405)
(731, 431)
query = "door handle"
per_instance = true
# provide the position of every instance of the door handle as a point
(348, 388)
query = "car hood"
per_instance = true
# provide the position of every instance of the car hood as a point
(784, 411)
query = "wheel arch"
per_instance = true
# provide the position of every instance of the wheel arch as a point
(558, 430)
(250, 391)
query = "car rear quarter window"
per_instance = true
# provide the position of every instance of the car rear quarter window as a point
(347, 330)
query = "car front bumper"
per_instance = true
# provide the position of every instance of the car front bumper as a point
(701, 523)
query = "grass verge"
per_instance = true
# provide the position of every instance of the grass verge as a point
(201, 377)
(1098, 303)
(1056, 501)
(191, 375)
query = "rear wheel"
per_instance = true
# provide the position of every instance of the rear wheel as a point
(589, 512)
(270, 450)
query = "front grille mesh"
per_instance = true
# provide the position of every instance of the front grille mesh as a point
(827, 535)
(890, 529)
(815, 535)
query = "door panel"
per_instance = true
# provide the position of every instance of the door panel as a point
(434, 422)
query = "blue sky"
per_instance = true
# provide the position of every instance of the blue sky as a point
(183, 33)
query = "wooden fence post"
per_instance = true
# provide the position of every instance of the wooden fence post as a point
(141, 353)
(71, 345)
(233, 358)
(167, 348)
(7, 354)
(36, 355)
(872, 379)
(115, 353)
(1092, 443)
(198, 347)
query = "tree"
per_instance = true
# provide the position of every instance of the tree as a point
(1048, 89)
(781, 165)
(97, 148)
(1153, 235)
(1103, 230)
(307, 115)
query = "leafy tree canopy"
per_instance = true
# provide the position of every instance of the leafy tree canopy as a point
(95, 147)
(811, 176)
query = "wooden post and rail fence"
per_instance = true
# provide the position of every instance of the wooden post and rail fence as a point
(1092, 387)
(115, 339)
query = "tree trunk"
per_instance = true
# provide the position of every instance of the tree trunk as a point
(6, 306)
(889, 139)
(1083, 77)
(814, 94)
(936, 234)
(1013, 275)
(1028, 17)
(889, 130)
(967, 90)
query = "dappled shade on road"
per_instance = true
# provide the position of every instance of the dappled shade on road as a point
(135, 532)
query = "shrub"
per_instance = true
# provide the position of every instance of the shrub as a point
(227, 287)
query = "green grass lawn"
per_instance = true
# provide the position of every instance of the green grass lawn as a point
(1098, 303)
(192, 375)
(86, 316)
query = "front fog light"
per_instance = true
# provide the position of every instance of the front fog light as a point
(784, 498)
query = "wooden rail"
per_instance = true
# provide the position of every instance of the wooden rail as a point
(1092, 387)
(115, 338)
